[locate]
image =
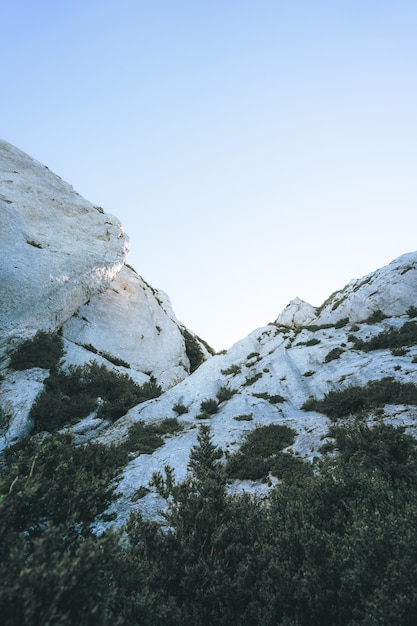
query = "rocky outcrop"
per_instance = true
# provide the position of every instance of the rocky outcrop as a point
(132, 322)
(57, 249)
(62, 268)
(297, 313)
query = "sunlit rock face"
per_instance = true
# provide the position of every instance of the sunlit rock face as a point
(134, 322)
(390, 289)
(297, 313)
(62, 269)
(57, 249)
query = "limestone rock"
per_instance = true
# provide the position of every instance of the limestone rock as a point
(57, 249)
(133, 322)
(297, 313)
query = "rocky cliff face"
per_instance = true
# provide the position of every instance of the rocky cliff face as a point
(63, 270)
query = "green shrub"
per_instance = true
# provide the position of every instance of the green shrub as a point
(192, 348)
(209, 406)
(43, 350)
(342, 322)
(375, 317)
(412, 311)
(224, 394)
(203, 416)
(275, 399)
(180, 409)
(333, 354)
(248, 417)
(312, 342)
(232, 370)
(351, 400)
(257, 456)
(252, 379)
(391, 338)
(398, 351)
(70, 396)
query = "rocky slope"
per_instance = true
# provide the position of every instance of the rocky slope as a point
(63, 270)
(276, 369)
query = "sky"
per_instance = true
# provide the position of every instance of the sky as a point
(253, 151)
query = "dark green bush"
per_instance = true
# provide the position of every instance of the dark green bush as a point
(224, 394)
(209, 406)
(391, 338)
(275, 399)
(70, 396)
(180, 409)
(333, 354)
(192, 348)
(252, 379)
(412, 311)
(247, 417)
(233, 370)
(375, 317)
(44, 350)
(258, 454)
(351, 400)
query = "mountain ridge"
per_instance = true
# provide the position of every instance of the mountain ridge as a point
(105, 313)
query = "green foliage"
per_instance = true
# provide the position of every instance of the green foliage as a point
(333, 548)
(312, 342)
(224, 394)
(333, 354)
(309, 373)
(70, 396)
(180, 409)
(233, 370)
(391, 338)
(275, 399)
(260, 453)
(252, 355)
(203, 416)
(252, 379)
(246, 417)
(192, 348)
(375, 317)
(351, 400)
(342, 322)
(146, 438)
(53, 570)
(209, 406)
(43, 350)
(412, 311)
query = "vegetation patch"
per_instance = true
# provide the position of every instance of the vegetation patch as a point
(43, 350)
(232, 370)
(180, 409)
(375, 317)
(333, 354)
(335, 547)
(275, 399)
(224, 394)
(260, 454)
(209, 406)
(351, 400)
(252, 379)
(146, 438)
(193, 350)
(70, 396)
(391, 338)
(247, 417)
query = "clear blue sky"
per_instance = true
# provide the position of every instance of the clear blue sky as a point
(254, 151)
